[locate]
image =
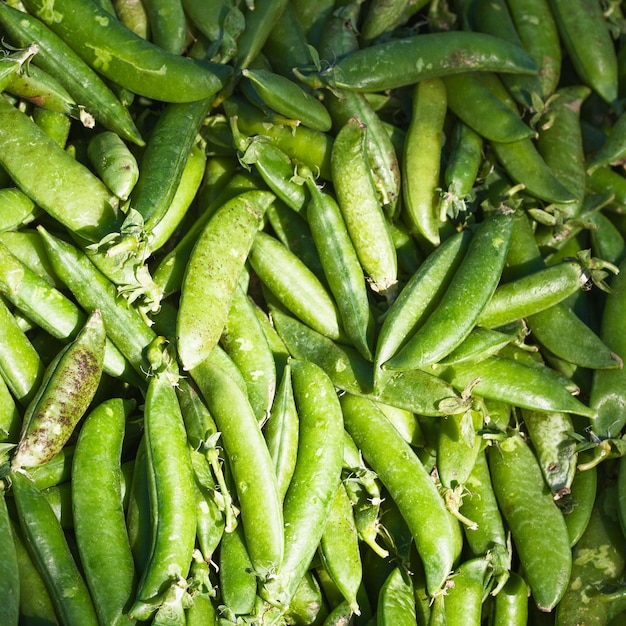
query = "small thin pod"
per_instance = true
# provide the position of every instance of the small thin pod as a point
(422, 158)
(51, 554)
(537, 525)
(69, 386)
(315, 479)
(172, 497)
(408, 484)
(9, 569)
(466, 296)
(361, 208)
(99, 522)
(212, 272)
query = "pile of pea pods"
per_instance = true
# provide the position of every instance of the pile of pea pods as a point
(311, 313)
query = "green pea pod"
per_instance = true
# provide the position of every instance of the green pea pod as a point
(12, 63)
(466, 296)
(55, 125)
(212, 273)
(537, 525)
(408, 484)
(317, 471)
(10, 590)
(482, 343)
(132, 62)
(613, 148)
(88, 208)
(340, 548)
(396, 600)
(113, 162)
(384, 16)
(133, 15)
(83, 84)
(510, 607)
(422, 158)
(99, 521)
(582, 27)
(69, 386)
(579, 505)
(341, 268)
(464, 600)
(10, 417)
(237, 577)
(168, 27)
(172, 497)
(51, 554)
(250, 464)
(405, 61)
(17, 209)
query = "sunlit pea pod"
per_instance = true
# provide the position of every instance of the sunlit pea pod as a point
(88, 207)
(55, 125)
(83, 84)
(114, 163)
(536, 524)
(288, 98)
(413, 390)
(578, 506)
(168, 27)
(464, 299)
(407, 60)
(582, 27)
(464, 600)
(317, 471)
(422, 158)
(295, 286)
(510, 606)
(27, 246)
(396, 599)
(202, 611)
(244, 341)
(212, 272)
(10, 416)
(132, 14)
(12, 63)
(308, 603)
(138, 65)
(17, 209)
(361, 208)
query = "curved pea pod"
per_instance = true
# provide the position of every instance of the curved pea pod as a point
(467, 294)
(341, 268)
(88, 207)
(113, 162)
(172, 498)
(250, 464)
(555, 448)
(315, 479)
(421, 160)
(137, 64)
(413, 390)
(405, 61)
(537, 525)
(212, 272)
(361, 209)
(408, 484)
(463, 600)
(295, 286)
(288, 98)
(10, 585)
(598, 561)
(10, 417)
(51, 553)
(482, 343)
(236, 575)
(396, 599)
(579, 505)
(99, 521)
(582, 27)
(69, 386)
(510, 607)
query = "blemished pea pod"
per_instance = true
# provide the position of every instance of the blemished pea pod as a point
(99, 520)
(463, 601)
(555, 448)
(125, 58)
(172, 497)
(413, 390)
(293, 284)
(532, 293)
(396, 599)
(405, 61)
(536, 524)
(81, 82)
(340, 548)
(341, 268)
(582, 27)
(472, 99)
(466, 296)
(114, 163)
(288, 98)
(69, 385)
(361, 209)
(64, 188)
(10, 579)
(250, 464)
(216, 262)
(419, 295)
(315, 479)
(408, 484)
(51, 553)
(422, 158)
(510, 607)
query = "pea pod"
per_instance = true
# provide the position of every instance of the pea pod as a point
(463, 602)
(579, 505)
(511, 603)
(168, 27)
(536, 524)
(69, 387)
(10, 611)
(396, 599)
